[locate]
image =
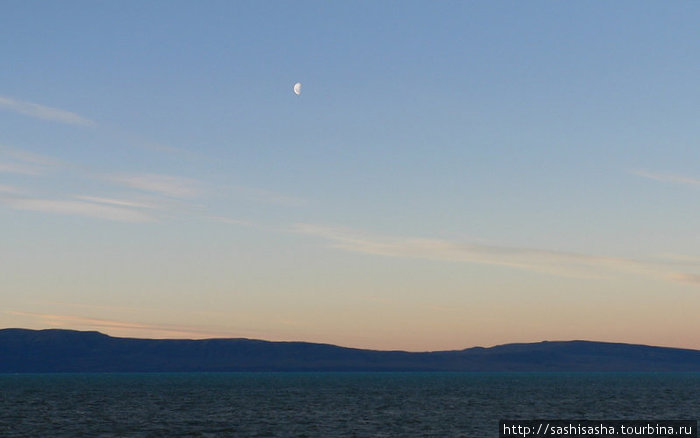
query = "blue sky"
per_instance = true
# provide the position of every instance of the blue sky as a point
(448, 170)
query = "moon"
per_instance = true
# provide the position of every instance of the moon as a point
(297, 88)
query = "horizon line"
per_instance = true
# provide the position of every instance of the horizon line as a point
(352, 348)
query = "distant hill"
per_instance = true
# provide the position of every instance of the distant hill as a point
(41, 351)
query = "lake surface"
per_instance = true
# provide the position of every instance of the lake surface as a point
(328, 404)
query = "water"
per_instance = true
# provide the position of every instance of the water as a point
(328, 404)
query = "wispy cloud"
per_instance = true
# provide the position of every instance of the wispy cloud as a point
(172, 186)
(43, 112)
(228, 220)
(131, 194)
(13, 160)
(678, 259)
(686, 278)
(19, 168)
(118, 202)
(670, 178)
(77, 208)
(6, 189)
(29, 157)
(121, 328)
(537, 260)
(130, 208)
(267, 196)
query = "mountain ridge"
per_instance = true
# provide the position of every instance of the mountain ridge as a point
(61, 350)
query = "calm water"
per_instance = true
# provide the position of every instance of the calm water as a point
(327, 405)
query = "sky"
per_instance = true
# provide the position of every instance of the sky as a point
(453, 174)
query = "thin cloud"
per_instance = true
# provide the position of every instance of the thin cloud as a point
(77, 208)
(267, 196)
(43, 112)
(29, 157)
(118, 202)
(439, 249)
(662, 177)
(686, 278)
(13, 160)
(121, 328)
(228, 220)
(19, 168)
(9, 189)
(172, 186)
(537, 260)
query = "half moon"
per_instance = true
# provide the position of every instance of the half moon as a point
(297, 88)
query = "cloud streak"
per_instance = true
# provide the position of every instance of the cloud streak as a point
(171, 186)
(121, 328)
(537, 260)
(19, 168)
(78, 208)
(662, 177)
(117, 202)
(686, 278)
(43, 112)
(228, 220)
(9, 189)
(267, 196)
(16, 161)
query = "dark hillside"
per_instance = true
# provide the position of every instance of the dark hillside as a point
(35, 351)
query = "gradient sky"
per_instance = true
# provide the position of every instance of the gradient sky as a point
(453, 173)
